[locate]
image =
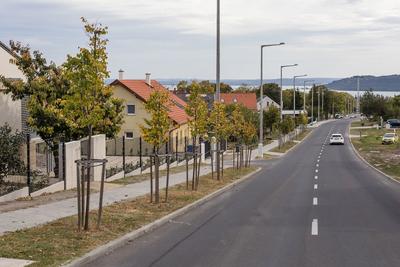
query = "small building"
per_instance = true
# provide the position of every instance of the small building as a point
(135, 93)
(249, 100)
(14, 113)
(267, 103)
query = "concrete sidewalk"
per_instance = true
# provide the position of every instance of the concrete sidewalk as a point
(31, 217)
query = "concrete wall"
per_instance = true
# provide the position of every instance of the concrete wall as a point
(24, 192)
(72, 153)
(98, 152)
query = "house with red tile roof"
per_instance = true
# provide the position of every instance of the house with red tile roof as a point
(249, 100)
(135, 94)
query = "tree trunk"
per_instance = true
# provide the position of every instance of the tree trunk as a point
(218, 163)
(194, 163)
(151, 179)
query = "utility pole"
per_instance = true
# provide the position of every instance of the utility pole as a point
(319, 93)
(312, 104)
(322, 109)
(281, 103)
(218, 80)
(358, 95)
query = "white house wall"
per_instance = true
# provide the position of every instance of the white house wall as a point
(10, 111)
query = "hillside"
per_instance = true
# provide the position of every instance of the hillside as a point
(376, 83)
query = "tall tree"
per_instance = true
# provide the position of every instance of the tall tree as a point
(197, 110)
(90, 106)
(156, 129)
(271, 118)
(219, 126)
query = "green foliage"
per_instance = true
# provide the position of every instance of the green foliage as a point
(287, 125)
(272, 90)
(271, 118)
(249, 134)
(197, 109)
(10, 158)
(379, 106)
(237, 123)
(301, 119)
(90, 103)
(206, 87)
(218, 121)
(156, 130)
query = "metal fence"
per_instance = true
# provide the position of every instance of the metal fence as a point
(43, 166)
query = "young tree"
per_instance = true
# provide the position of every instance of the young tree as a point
(249, 138)
(156, 130)
(219, 127)
(271, 118)
(89, 105)
(237, 130)
(197, 110)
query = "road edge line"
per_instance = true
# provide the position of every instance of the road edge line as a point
(369, 164)
(121, 241)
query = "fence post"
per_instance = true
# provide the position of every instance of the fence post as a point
(176, 148)
(63, 165)
(123, 154)
(140, 154)
(28, 162)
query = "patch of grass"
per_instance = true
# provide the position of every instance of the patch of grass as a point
(144, 177)
(283, 149)
(288, 145)
(55, 243)
(363, 123)
(384, 157)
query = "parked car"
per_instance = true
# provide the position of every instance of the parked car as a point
(394, 123)
(336, 139)
(390, 138)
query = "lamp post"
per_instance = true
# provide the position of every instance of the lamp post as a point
(304, 92)
(260, 144)
(294, 93)
(218, 78)
(281, 103)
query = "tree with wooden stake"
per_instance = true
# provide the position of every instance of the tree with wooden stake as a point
(219, 127)
(237, 131)
(89, 105)
(196, 109)
(156, 132)
(249, 138)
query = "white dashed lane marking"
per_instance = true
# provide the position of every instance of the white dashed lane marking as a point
(316, 186)
(314, 227)
(315, 201)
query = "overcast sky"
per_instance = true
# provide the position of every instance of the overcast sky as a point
(176, 39)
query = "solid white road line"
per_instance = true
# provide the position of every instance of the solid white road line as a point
(315, 201)
(316, 186)
(314, 227)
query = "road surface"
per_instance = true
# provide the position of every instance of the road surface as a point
(317, 206)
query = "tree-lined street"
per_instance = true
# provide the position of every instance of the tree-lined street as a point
(319, 205)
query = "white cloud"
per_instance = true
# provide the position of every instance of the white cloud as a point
(182, 31)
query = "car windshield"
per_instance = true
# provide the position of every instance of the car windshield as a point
(389, 135)
(336, 135)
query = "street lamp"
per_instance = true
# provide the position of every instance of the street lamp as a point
(218, 78)
(260, 144)
(294, 92)
(304, 92)
(282, 67)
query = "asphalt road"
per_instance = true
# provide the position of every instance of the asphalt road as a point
(297, 211)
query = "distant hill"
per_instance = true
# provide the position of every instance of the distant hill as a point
(376, 83)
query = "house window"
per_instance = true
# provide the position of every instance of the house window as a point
(129, 135)
(131, 109)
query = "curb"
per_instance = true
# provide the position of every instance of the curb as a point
(120, 242)
(369, 164)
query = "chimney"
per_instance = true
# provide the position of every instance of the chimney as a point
(120, 75)
(148, 78)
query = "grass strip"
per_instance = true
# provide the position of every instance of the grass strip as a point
(384, 157)
(57, 242)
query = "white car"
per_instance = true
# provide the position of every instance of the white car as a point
(336, 139)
